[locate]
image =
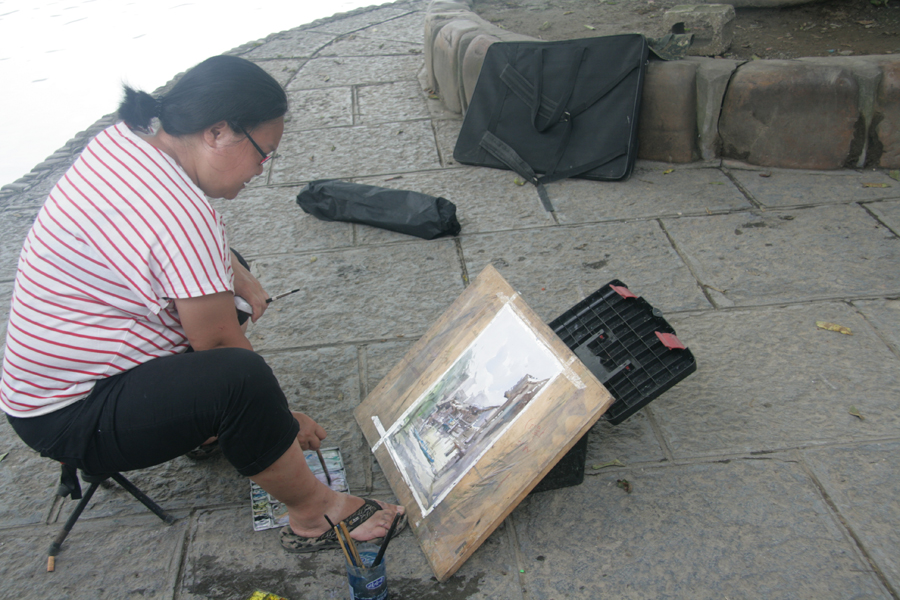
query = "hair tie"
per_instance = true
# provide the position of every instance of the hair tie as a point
(158, 111)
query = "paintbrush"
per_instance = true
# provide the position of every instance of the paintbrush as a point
(269, 300)
(352, 545)
(340, 541)
(380, 556)
(324, 468)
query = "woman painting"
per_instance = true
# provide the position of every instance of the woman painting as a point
(124, 349)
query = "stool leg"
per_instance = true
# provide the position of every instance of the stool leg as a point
(146, 501)
(70, 522)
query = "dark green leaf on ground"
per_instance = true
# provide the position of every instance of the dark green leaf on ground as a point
(624, 484)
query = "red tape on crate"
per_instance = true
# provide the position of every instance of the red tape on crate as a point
(670, 341)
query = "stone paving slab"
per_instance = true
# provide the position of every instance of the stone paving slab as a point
(301, 43)
(446, 131)
(408, 28)
(861, 481)
(360, 294)
(177, 486)
(355, 70)
(358, 44)
(34, 198)
(631, 441)
(888, 212)
(748, 529)
(16, 225)
(367, 19)
(28, 481)
(380, 359)
(6, 292)
(269, 221)
(485, 199)
(114, 558)
(324, 383)
(281, 70)
(555, 268)
(342, 152)
(227, 560)
(831, 251)
(884, 316)
(318, 108)
(653, 190)
(768, 379)
(391, 102)
(768, 186)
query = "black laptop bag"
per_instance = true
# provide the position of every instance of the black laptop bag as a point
(551, 110)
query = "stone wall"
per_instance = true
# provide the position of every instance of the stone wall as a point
(811, 113)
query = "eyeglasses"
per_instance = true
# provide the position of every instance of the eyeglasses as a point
(265, 157)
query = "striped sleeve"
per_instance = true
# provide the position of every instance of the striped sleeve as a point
(146, 221)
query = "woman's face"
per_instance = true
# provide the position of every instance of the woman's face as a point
(230, 160)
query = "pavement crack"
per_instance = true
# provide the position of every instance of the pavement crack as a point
(848, 529)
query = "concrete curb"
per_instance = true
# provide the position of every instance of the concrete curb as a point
(810, 113)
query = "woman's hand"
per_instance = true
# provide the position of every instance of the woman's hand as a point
(249, 288)
(311, 433)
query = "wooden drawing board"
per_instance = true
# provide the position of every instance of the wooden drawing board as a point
(458, 451)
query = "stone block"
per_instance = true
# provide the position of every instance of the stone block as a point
(768, 379)
(835, 251)
(391, 102)
(135, 558)
(355, 152)
(16, 225)
(226, 560)
(791, 114)
(653, 190)
(394, 291)
(472, 61)
(884, 315)
(667, 126)
(27, 479)
(554, 268)
(334, 71)
(746, 528)
(888, 213)
(321, 107)
(712, 82)
(290, 44)
(861, 481)
(868, 75)
(362, 19)
(711, 24)
(445, 60)
(434, 22)
(782, 188)
(884, 138)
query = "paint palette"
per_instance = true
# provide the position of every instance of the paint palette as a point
(269, 513)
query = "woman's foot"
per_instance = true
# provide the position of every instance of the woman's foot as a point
(369, 524)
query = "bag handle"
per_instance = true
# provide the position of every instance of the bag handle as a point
(509, 157)
(572, 77)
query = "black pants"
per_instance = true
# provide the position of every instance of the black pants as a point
(166, 407)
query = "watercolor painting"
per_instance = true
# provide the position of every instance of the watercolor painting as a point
(444, 433)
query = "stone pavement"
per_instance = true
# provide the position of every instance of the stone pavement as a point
(751, 479)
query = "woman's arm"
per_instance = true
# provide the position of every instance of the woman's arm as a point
(249, 288)
(211, 322)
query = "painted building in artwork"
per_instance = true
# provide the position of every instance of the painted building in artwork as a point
(461, 421)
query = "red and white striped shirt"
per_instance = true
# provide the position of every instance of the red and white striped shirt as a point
(122, 233)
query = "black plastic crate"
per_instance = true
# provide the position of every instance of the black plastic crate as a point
(568, 471)
(628, 345)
